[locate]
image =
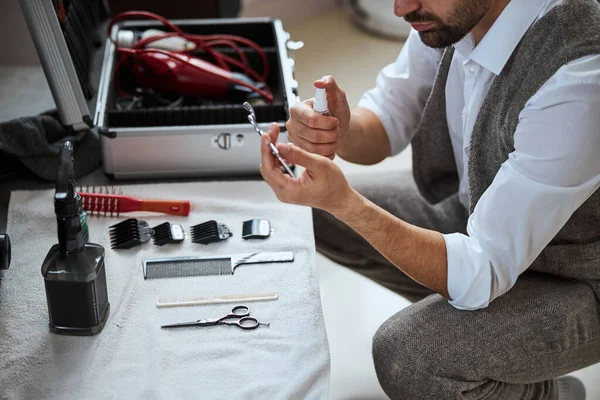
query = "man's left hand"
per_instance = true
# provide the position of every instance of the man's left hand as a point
(322, 185)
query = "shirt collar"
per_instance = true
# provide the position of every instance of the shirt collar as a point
(500, 42)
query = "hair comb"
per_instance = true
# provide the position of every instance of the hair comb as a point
(105, 200)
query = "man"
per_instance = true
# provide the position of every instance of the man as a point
(501, 102)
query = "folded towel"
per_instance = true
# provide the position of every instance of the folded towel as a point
(132, 357)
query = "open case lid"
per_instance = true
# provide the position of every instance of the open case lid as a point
(66, 34)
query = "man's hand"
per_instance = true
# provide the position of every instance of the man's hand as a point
(420, 253)
(316, 133)
(322, 185)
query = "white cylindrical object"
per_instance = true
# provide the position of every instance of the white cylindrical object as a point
(166, 302)
(173, 43)
(125, 39)
(320, 105)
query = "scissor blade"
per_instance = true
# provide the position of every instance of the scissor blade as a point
(184, 324)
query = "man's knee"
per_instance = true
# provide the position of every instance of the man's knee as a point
(404, 354)
(395, 354)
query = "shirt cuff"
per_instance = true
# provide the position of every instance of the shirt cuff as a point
(469, 273)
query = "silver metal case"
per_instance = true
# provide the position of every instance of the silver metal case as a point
(161, 150)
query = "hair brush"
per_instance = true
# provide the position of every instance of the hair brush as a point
(104, 201)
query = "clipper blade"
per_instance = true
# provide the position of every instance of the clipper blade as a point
(209, 232)
(168, 233)
(129, 233)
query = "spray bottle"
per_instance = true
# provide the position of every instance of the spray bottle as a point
(320, 105)
(74, 271)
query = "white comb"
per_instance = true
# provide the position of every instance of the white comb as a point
(165, 302)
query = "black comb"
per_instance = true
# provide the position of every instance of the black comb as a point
(210, 232)
(129, 233)
(168, 233)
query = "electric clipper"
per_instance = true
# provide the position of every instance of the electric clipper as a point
(74, 271)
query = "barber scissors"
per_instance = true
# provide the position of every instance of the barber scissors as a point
(274, 151)
(241, 313)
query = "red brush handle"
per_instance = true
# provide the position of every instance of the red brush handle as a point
(96, 202)
(172, 207)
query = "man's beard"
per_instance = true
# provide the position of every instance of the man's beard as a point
(443, 36)
(464, 19)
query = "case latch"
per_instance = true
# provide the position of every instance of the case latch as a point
(226, 141)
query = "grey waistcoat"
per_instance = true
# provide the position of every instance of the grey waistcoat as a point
(569, 31)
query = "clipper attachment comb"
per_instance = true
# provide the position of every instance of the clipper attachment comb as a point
(256, 229)
(129, 233)
(210, 232)
(168, 233)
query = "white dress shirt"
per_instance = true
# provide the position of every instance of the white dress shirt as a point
(554, 169)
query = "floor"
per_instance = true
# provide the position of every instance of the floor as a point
(354, 307)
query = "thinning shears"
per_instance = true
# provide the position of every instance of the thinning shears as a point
(274, 151)
(241, 313)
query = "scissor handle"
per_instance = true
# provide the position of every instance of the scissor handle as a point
(247, 323)
(239, 311)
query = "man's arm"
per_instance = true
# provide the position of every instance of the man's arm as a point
(419, 253)
(366, 141)
(553, 170)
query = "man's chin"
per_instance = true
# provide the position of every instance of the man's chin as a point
(439, 39)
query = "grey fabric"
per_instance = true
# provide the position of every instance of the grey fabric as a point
(542, 328)
(568, 32)
(434, 165)
(34, 142)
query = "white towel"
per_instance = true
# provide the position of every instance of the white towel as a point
(132, 357)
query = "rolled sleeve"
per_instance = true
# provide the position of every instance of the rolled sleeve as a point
(469, 273)
(553, 170)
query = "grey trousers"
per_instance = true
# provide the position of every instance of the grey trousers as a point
(544, 327)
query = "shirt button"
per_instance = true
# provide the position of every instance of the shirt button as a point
(472, 70)
(464, 114)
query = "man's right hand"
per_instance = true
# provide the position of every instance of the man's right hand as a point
(317, 133)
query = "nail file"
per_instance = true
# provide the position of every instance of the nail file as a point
(180, 267)
(166, 302)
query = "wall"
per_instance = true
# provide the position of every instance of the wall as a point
(16, 46)
(291, 12)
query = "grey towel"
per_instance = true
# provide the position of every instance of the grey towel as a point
(34, 143)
